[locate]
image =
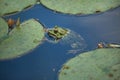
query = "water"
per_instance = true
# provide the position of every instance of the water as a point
(44, 62)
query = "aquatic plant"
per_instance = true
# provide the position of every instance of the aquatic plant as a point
(80, 6)
(13, 6)
(103, 64)
(21, 39)
(3, 28)
(63, 6)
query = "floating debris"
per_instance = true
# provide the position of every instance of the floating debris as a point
(9, 7)
(99, 64)
(112, 45)
(13, 23)
(80, 6)
(18, 22)
(108, 45)
(21, 41)
(10, 23)
(100, 45)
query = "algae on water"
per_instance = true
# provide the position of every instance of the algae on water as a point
(21, 39)
(80, 6)
(99, 64)
(12, 6)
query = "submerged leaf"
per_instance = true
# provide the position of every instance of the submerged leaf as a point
(100, 64)
(21, 39)
(80, 6)
(13, 6)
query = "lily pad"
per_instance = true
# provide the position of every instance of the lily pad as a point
(80, 6)
(22, 39)
(3, 28)
(100, 64)
(13, 6)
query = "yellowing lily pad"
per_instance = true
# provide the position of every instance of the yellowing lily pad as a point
(100, 64)
(3, 28)
(22, 39)
(80, 6)
(12, 6)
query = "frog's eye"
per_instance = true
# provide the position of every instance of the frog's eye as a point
(55, 30)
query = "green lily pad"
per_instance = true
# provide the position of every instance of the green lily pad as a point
(80, 6)
(22, 39)
(100, 64)
(13, 6)
(3, 28)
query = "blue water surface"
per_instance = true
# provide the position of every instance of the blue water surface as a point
(45, 61)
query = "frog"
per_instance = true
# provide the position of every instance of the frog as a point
(57, 32)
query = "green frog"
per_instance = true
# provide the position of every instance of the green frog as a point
(57, 32)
